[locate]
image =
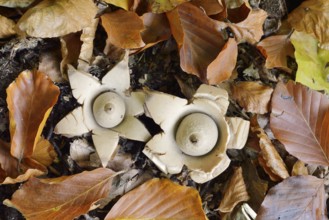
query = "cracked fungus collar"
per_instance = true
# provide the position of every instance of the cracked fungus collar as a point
(107, 110)
(196, 134)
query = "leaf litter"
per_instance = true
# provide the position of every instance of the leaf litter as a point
(222, 44)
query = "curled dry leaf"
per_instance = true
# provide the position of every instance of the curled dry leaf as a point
(160, 6)
(7, 27)
(298, 197)
(44, 152)
(235, 193)
(123, 29)
(276, 49)
(312, 17)
(16, 3)
(202, 40)
(222, 67)
(299, 168)
(125, 4)
(312, 61)
(54, 198)
(159, 199)
(70, 50)
(269, 158)
(252, 96)
(57, 18)
(251, 29)
(30, 99)
(300, 120)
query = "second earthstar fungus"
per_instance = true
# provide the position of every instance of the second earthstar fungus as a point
(196, 133)
(108, 110)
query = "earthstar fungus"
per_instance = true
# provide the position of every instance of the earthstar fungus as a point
(196, 133)
(108, 110)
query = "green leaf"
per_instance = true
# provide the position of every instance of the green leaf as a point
(313, 68)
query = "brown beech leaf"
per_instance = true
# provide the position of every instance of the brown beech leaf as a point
(125, 4)
(30, 100)
(159, 199)
(7, 27)
(57, 18)
(123, 29)
(276, 49)
(160, 6)
(211, 7)
(64, 197)
(176, 27)
(300, 120)
(235, 193)
(298, 197)
(299, 168)
(312, 17)
(270, 158)
(11, 171)
(44, 152)
(251, 29)
(202, 40)
(252, 96)
(222, 67)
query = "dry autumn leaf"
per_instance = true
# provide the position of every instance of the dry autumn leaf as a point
(235, 193)
(300, 120)
(276, 49)
(160, 6)
(202, 40)
(30, 99)
(312, 17)
(299, 168)
(16, 3)
(125, 4)
(57, 18)
(64, 197)
(123, 29)
(7, 27)
(270, 158)
(299, 197)
(159, 199)
(251, 29)
(44, 152)
(252, 96)
(211, 7)
(222, 67)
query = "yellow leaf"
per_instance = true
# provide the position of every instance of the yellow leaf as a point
(30, 100)
(7, 27)
(125, 4)
(160, 6)
(44, 152)
(312, 62)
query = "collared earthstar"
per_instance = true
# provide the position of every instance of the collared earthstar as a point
(108, 110)
(196, 133)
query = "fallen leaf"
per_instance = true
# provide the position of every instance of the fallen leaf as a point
(238, 14)
(202, 40)
(160, 6)
(11, 171)
(125, 4)
(235, 193)
(254, 97)
(312, 17)
(157, 29)
(7, 27)
(16, 3)
(49, 63)
(64, 197)
(270, 158)
(163, 200)
(80, 151)
(299, 168)
(233, 3)
(242, 212)
(211, 7)
(222, 67)
(30, 100)
(276, 49)
(44, 152)
(70, 50)
(123, 29)
(176, 27)
(312, 62)
(251, 29)
(57, 18)
(300, 120)
(298, 197)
